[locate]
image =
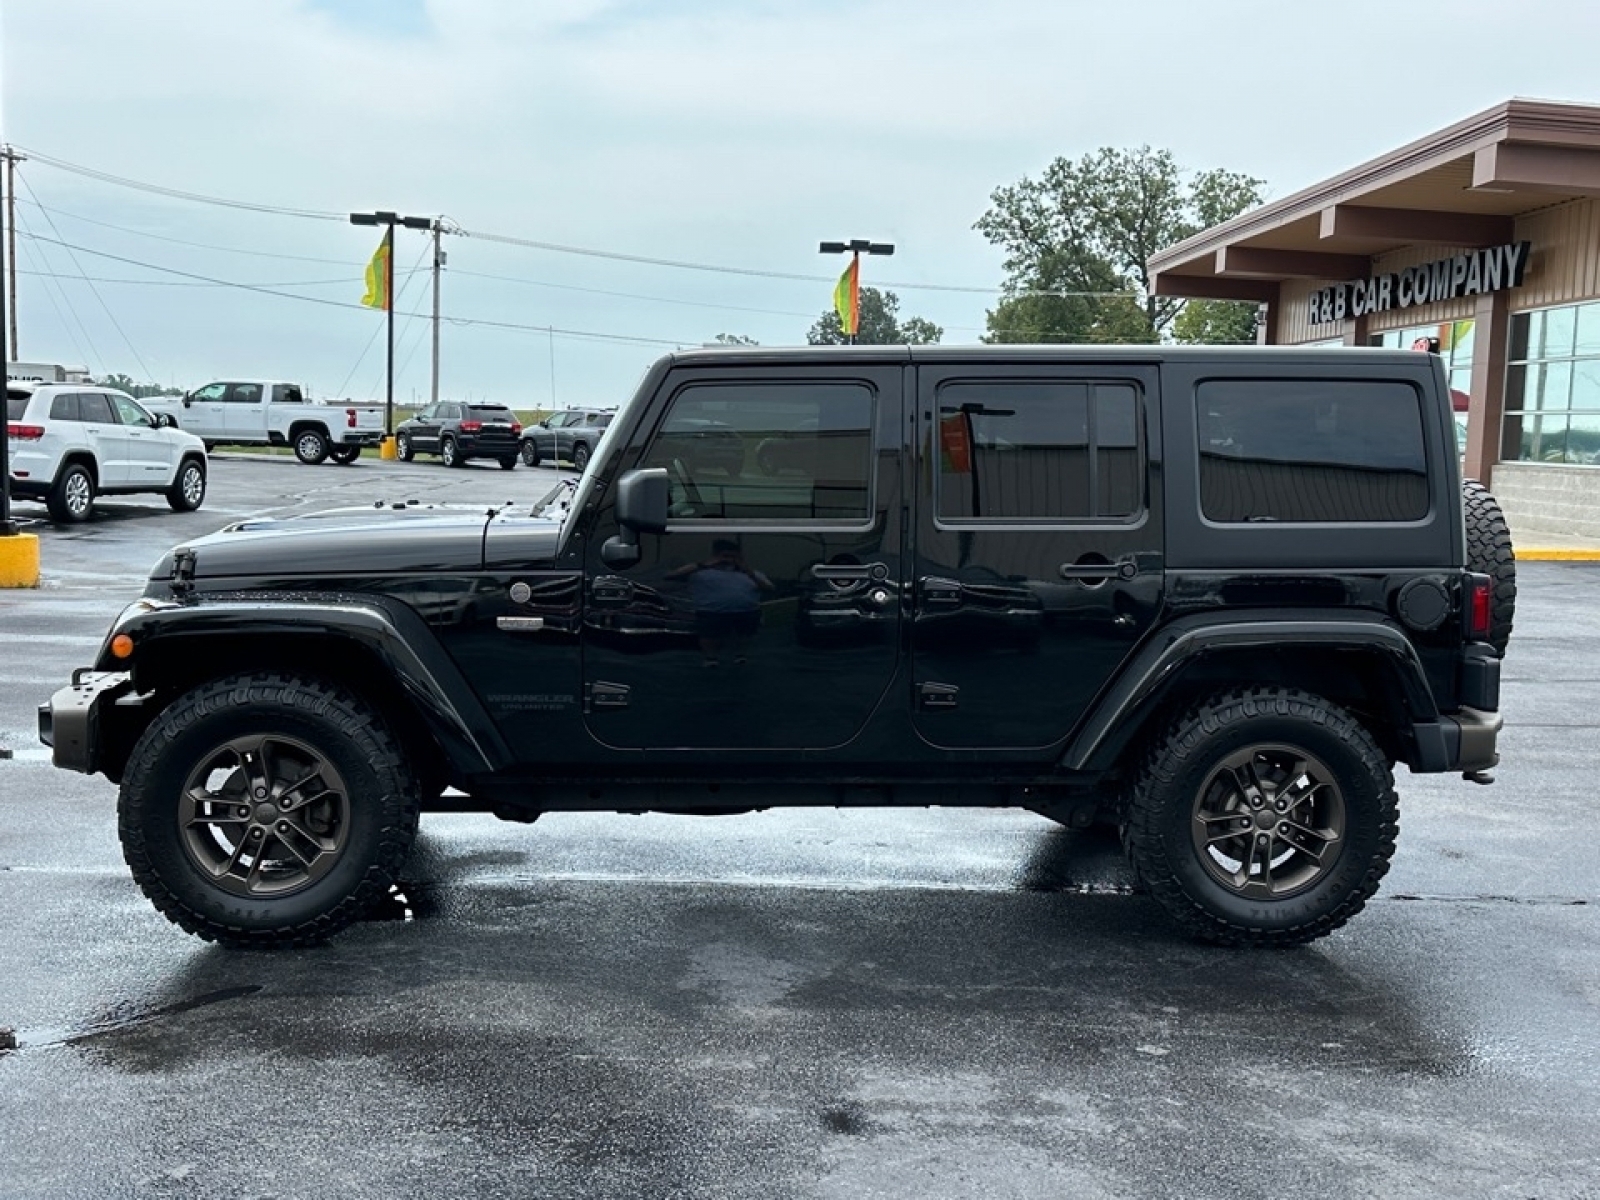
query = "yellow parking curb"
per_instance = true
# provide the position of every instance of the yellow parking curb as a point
(19, 561)
(386, 450)
(1554, 554)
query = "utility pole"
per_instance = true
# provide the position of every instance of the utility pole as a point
(12, 159)
(438, 263)
(847, 296)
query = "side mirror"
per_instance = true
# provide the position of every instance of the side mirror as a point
(163, 421)
(188, 399)
(642, 498)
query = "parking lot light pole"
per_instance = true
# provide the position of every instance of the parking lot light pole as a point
(856, 247)
(390, 220)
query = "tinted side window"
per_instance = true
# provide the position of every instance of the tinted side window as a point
(17, 404)
(93, 406)
(766, 452)
(63, 407)
(245, 393)
(1309, 450)
(1039, 450)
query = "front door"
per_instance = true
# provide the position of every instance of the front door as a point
(206, 413)
(767, 617)
(150, 450)
(1039, 552)
(110, 440)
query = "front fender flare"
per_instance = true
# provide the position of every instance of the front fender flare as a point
(388, 630)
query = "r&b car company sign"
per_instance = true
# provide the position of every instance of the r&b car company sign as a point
(1469, 274)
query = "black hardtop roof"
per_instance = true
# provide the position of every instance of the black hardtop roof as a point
(1041, 354)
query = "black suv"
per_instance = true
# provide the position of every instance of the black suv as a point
(1213, 596)
(457, 432)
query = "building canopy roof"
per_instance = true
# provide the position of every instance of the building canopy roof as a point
(1462, 186)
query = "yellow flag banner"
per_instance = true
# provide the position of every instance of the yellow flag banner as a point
(379, 274)
(847, 298)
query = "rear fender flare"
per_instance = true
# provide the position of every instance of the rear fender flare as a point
(1161, 665)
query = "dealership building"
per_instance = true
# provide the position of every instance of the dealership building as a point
(1481, 241)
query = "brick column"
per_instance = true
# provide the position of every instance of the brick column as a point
(1491, 337)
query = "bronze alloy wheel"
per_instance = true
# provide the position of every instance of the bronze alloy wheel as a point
(1269, 822)
(264, 815)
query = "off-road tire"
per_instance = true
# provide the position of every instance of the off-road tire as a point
(530, 454)
(450, 453)
(580, 457)
(402, 447)
(188, 490)
(1166, 799)
(381, 793)
(311, 446)
(72, 497)
(1489, 552)
(344, 455)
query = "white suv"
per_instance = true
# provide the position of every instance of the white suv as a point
(71, 442)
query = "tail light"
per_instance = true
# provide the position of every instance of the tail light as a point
(1480, 607)
(471, 426)
(350, 418)
(25, 433)
(516, 428)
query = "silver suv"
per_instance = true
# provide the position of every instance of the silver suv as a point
(72, 442)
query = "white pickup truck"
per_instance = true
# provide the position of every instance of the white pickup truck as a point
(269, 412)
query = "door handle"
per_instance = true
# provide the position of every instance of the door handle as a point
(1123, 568)
(611, 588)
(940, 593)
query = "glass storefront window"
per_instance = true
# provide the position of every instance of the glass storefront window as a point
(1553, 387)
(1455, 347)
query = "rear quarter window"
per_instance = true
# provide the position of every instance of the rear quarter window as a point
(1311, 451)
(16, 405)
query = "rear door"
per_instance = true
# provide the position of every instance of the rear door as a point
(767, 618)
(1038, 546)
(246, 412)
(110, 441)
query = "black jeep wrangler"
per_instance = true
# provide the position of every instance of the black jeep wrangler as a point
(1211, 595)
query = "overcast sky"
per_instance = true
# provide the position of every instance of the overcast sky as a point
(726, 133)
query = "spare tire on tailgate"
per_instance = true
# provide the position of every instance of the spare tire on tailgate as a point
(1489, 553)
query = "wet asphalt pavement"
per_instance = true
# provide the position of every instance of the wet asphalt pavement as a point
(806, 1003)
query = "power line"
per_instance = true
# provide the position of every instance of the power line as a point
(94, 291)
(177, 194)
(552, 247)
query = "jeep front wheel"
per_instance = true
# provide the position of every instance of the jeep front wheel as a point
(266, 809)
(1264, 817)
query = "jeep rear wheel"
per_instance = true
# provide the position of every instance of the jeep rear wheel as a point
(1264, 817)
(311, 446)
(344, 455)
(266, 809)
(72, 498)
(1489, 552)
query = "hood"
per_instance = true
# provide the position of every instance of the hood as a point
(403, 538)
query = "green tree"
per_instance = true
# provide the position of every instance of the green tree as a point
(1077, 241)
(1215, 323)
(125, 383)
(880, 324)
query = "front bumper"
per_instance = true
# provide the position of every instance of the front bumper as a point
(70, 722)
